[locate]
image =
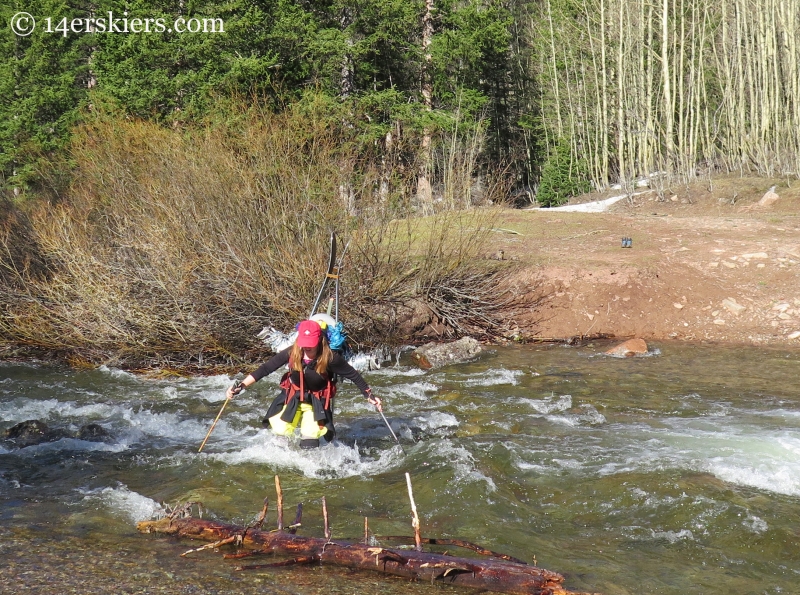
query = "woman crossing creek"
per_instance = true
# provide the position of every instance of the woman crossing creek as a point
(308, 387)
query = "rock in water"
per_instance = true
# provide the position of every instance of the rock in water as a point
(31, 432)
(629, 348)
(433, 355)
(29, 429)
(93, 433)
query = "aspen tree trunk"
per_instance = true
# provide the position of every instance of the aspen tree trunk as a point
(752, 95)
(641, 90)
(522, 89)
(780, 116)
(679, 48)
(424, 192)
(604, 92)
(780, 136)
(600, 173)
(756, 67)
(669, 114)
(346, 88)
(772, 86)
(649, 106)
(386, 169)
(621, 94)
(690, 150)
(740, 101)
(707, 150)
(728, 135)
(791, 61)
(589, 132)
(571, 101)
(560, 129)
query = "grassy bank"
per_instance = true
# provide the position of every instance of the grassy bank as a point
(176, 246)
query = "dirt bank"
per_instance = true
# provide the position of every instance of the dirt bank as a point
(707, 263)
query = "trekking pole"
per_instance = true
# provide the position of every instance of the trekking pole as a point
(391, 431)
(211, 429)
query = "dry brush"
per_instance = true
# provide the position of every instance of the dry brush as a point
(177, 246)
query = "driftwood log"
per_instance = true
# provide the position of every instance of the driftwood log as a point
(496, 572)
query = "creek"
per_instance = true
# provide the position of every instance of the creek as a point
(674, 473)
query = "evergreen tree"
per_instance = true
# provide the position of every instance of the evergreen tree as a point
(42, 87)
(563, 176)
(365, 54)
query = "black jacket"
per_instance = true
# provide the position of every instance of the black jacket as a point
(311, 380)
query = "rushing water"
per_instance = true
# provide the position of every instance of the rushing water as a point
(673, 473)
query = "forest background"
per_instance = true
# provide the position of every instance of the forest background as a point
(165, 194)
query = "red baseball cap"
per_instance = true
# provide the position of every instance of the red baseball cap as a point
(309, 334)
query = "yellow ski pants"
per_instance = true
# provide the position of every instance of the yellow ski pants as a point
(309, 428)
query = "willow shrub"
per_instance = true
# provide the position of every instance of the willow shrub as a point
(177, 246)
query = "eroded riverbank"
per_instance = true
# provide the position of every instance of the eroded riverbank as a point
(701, 268)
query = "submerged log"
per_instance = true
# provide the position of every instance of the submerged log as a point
(453, 542)
(492, 575)
(500, 573)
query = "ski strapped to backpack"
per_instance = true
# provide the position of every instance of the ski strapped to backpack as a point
(333, 327)
(332, 273)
